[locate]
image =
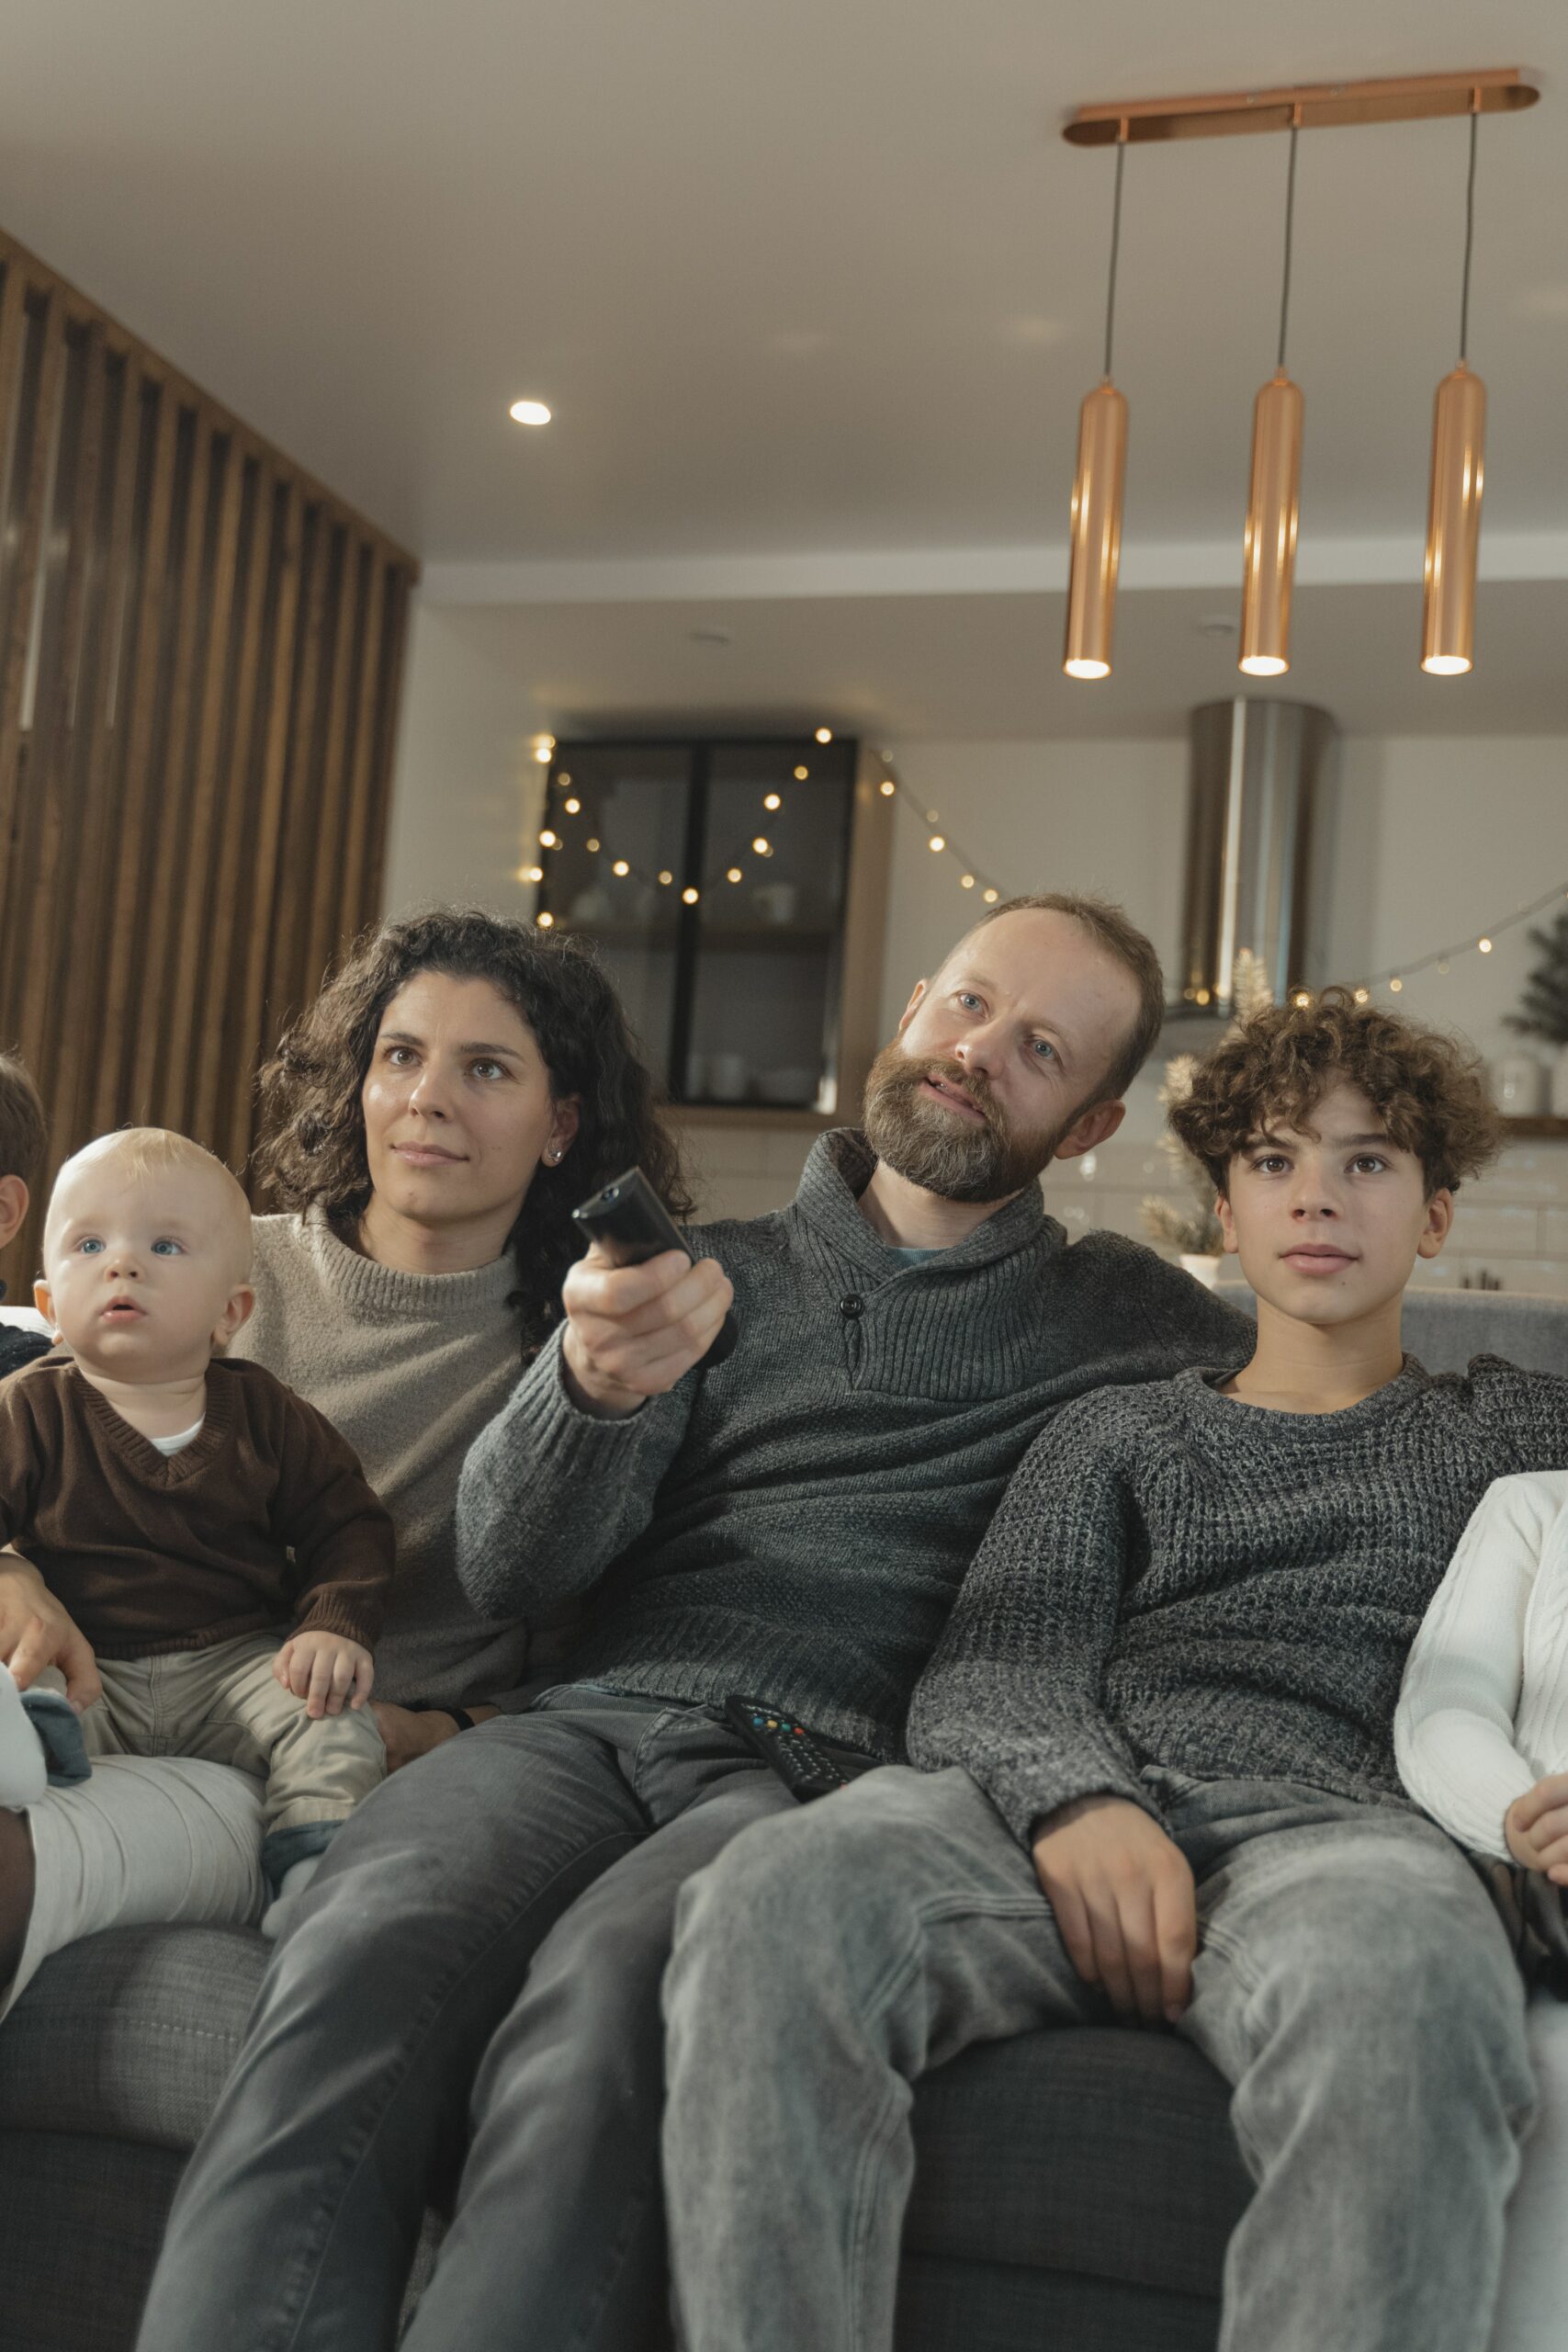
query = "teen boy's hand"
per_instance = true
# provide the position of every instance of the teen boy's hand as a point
(36, 1632)
(327, 1670)
(1122, 1897)
(1536, 1827)
(632, 1331)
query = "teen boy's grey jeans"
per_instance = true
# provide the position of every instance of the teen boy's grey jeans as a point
(1353, 1985)
(469, 1984)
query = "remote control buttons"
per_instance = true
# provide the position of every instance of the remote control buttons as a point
(851, 1306)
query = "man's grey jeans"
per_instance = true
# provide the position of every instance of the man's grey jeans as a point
(1353, 1985)
(466, 2001)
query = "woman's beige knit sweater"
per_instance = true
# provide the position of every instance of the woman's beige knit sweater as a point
(410, 1367)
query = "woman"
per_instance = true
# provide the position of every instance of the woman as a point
(460, 1084)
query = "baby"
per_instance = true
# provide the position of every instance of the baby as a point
(185, 1509)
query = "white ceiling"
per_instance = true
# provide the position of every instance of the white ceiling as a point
(814, 285)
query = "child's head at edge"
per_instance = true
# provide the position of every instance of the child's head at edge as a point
(23, 1142)
(1336, 1134)
(147, 1255)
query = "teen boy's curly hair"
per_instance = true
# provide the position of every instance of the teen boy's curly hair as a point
(310, 1089)
(1277, 1066)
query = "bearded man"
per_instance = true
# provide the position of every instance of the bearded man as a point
(464, 2006)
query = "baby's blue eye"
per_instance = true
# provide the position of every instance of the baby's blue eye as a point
(90, 1246)
(167, 1249)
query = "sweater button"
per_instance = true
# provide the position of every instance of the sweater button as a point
(851, 1306)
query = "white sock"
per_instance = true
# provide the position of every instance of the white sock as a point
(295, 1880)
(24, 1773)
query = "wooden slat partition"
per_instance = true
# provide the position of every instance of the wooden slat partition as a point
(200, 657)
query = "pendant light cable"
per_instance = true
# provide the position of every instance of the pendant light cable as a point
(1115, 254)
(1469, 245)
(1290, 235)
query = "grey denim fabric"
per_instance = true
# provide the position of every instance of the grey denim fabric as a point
(1353, 1985)
(465, 2001)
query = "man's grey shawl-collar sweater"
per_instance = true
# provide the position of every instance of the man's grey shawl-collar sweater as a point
(793, 1524)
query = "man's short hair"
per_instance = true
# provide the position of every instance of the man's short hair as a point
(23, 1135)
(1110, 928)
(1275, 1070)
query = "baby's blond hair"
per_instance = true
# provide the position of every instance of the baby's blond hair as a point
(141, 1152)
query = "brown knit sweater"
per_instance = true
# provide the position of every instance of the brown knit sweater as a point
(153, 1553)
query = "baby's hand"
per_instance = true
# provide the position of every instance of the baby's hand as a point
(325, 1669)
(1536, 1827)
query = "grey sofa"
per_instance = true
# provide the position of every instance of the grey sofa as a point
(1073, 2190)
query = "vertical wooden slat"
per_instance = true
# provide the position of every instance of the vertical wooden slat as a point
(200, 652)
(121, 996)
(21, 586)
(246, 1025)
(192, 945)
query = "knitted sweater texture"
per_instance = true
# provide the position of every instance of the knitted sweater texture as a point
(1180, 1580)
(410, 1367)
(794, 1524)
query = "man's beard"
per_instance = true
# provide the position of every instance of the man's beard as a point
(941, 1150)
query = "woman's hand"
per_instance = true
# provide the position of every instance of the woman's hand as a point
(413, 1732)
(36, 1632)
(327, 1670)
(1536, 1827)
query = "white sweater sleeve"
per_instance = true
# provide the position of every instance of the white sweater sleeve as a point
(1453, 1731)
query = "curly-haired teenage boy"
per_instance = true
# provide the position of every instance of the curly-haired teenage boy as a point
(1159, 1784)
(22, 1144)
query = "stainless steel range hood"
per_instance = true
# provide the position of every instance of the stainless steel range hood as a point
(1261, 816)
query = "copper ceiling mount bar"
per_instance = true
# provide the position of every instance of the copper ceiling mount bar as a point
(1314, 105)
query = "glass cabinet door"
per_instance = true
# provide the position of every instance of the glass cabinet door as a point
(765, 996)
(613, 871)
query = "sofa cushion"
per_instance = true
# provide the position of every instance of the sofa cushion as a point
(1099, 2150)
(130, 2035)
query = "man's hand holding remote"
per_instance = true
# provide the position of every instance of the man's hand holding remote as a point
(632, 1331)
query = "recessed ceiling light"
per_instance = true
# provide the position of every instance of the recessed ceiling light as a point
(709, 636)
(1217, 624)
(528, 413)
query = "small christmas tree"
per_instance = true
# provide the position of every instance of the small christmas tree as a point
(1195, 1229)
(1544, 1011)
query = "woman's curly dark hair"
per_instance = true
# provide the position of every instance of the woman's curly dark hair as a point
(1428, 1089)
(314, 1151)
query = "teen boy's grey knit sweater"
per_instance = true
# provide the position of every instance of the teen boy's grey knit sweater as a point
(795, 1523)
(1179, 1580)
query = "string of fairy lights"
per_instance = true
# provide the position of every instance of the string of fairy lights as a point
(942, 843)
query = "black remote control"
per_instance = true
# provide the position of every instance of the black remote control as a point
(631, 1223)
(801, 1760)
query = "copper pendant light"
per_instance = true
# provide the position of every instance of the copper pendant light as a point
(1273, 501)
(1096, 528)
(1453, 509)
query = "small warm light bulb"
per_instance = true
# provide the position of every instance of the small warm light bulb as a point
(990, 896)
(1443, 964)
(966, 881)
(689, 897)
(1263, 665)
(937, 841)
(549, 840)
(772, 800)
(620, 868)
(887, 787)
(1084, 669)
(543, 920)
(1484, 945)
(573, 807)
(590, 844)
(1201, 996)
(1396, 986)
(762, 846)
(533, 873)
(1301, 999)
(823, 734)
(734, 875)
(528, 413)
(543, 749)
(666, 877)
(1361, 996)
(801, 774)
